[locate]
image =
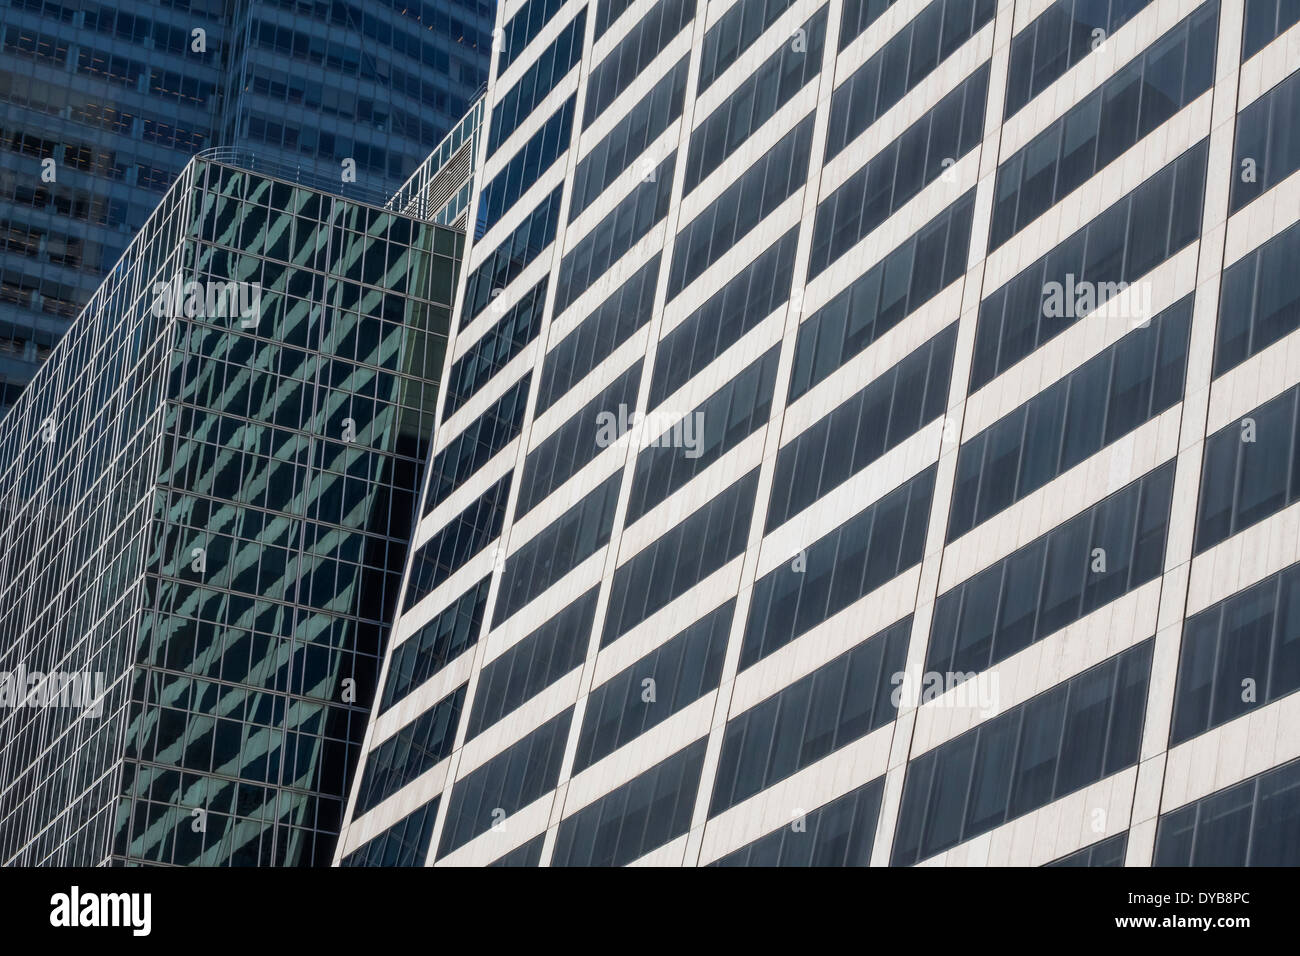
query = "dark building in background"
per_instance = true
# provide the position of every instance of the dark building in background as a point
(119, 96)
(205, 503)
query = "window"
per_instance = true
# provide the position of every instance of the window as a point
(1098, 403)
(634, 53)
(1250, 641)
(1259, 302)
(1254, 823)
(879, 543)
(929, 260)
(506, 784)
(512, 255)
(676, 673)
(1113, 548)
(755, 101)
(734, 33)
(1267, 148)
(558, 548)
(1108, 852)
(745, 301)
(900, 65)
(520, 29)
(498, 345)
(528, 854)
(473, 448)
(642, 815)
(578, 441)
(1165, 78)
(524, 168)
(1066, 738)
(899, 172)
(858, 15)
(537, 81)
(435, 644)
(895, 406)
(528, 667)
(763, 187)
(620, 148)
(1060, 37)
(836, 704)
(683, 557)
(839, 833)
(607, 12)
(720, 423)
(405, 843)
(607, 327)
(1266, 20)
(1157, 219)
(463, 537)
(1249, 471)
(614, 235)
(416, 748)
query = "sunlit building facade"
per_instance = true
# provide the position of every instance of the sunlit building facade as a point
(869, 436)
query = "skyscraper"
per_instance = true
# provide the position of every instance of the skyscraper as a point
(206, 498)
(101, 106)
(870, 437)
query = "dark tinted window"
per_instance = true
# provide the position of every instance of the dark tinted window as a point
(755, 101)
(1066, 738)
(531, 665)
(1255, 823)
(1132, 237)
(563, 453)
(405, 843)
(1108, 852)
(435, 644)
(607, 327)
(899, 172)
(681, 558)
(1060, 37)
(895, 406)
(720, 423)
(908, 57)
(839, 833)
(459, 540)
(836, 704)
(634, 53)
(640, 816)
(551, 66)
(1259, 301)
(620, 148)
(1238, 655)
(614, 235)
(1104, 399)
(1170, 75)
(417, 747)
(763, 187)
(499, 344)
(557, 549)
(880, 542)
(755, 292)
(672, 676)
(931, 259)
(734, 33)
(506, 784)
(1249, 472)
(1113, 548)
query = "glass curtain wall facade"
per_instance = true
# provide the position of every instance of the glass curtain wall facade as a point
(102, 105)
(907, 467)
(204, 515)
